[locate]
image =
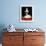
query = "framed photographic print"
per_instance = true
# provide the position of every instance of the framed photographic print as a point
(26, 13)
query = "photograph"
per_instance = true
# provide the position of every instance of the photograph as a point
(26, 13)
(22, 23)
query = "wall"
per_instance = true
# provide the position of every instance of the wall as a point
(9, 13)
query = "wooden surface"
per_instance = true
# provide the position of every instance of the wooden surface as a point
(23, 39)
(13, 39)
(34, 39)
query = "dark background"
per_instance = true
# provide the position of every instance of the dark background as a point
(23, 11)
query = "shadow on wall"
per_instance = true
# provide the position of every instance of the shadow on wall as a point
(2, 26)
